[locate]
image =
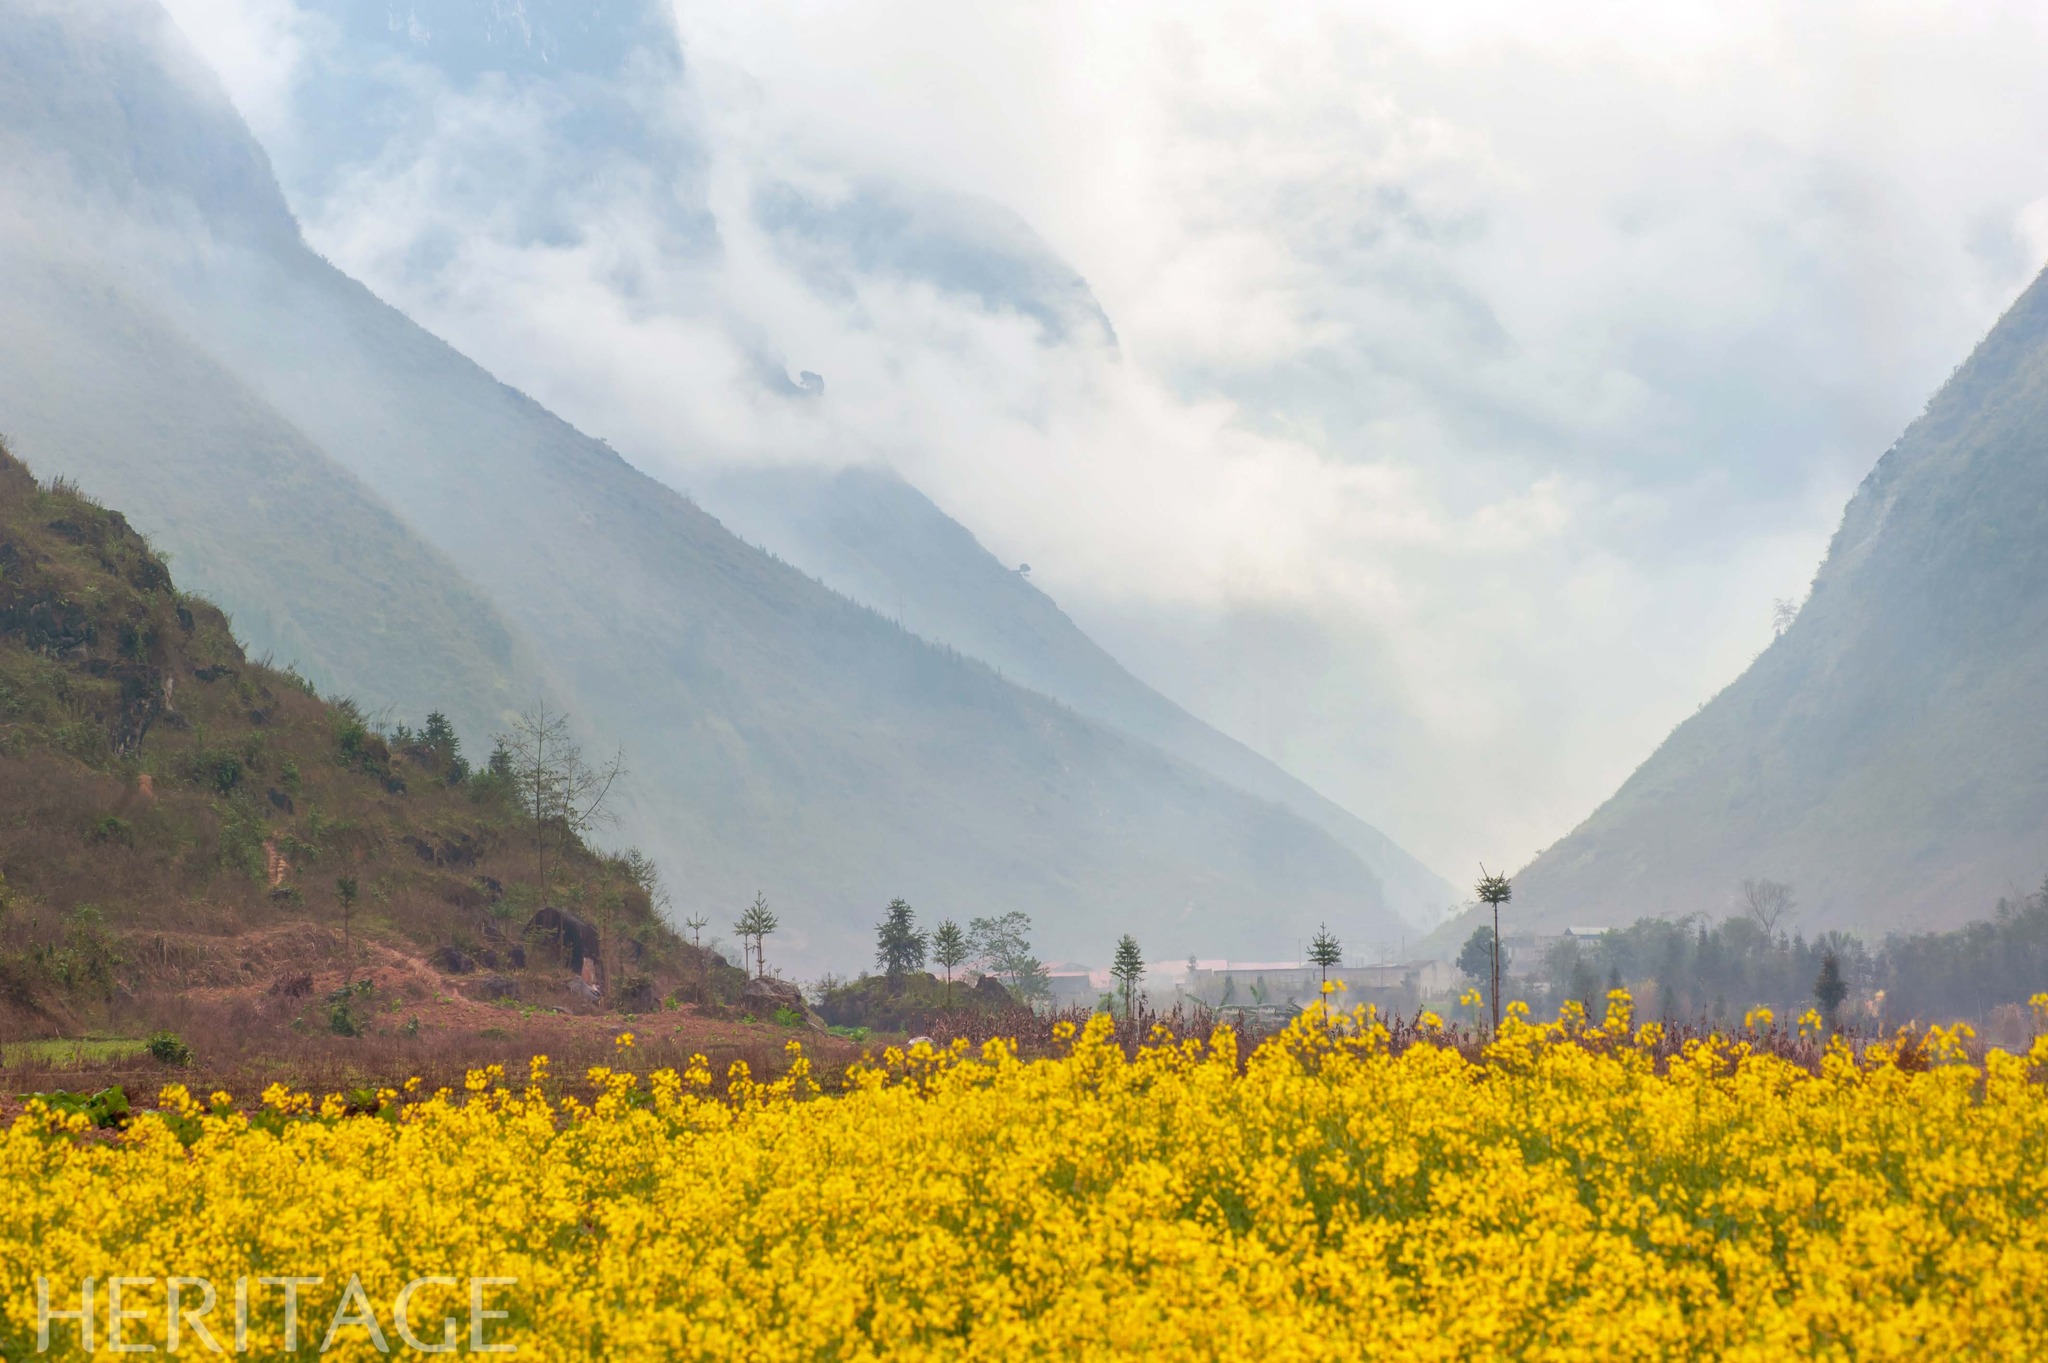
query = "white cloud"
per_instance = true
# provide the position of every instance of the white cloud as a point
(1481, 372)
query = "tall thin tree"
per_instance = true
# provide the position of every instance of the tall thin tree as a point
(1496, 891)
(345, 891)
(1325, 951)
(1127, 969)
(758, 922)
(949, 951)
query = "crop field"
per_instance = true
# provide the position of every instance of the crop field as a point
(1569, 1191)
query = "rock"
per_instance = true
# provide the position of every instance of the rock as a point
(988, 992)
(575, 939)
(495, 987)
(920, 1041)
(451, 961)
(764, 996)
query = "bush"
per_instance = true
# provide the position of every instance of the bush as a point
(788, 1017)
(345, 1017)
(169, 1048)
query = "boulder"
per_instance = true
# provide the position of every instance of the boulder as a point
(494, 987)
(988, 992)
(575, 939)
(450, 960)
(764, 995)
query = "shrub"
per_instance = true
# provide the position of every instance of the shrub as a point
(169, 1048)
(788, 1017)
(345, 1016)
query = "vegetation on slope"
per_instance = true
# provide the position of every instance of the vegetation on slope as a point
(182, 820)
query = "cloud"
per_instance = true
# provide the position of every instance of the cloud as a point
(1435, 397)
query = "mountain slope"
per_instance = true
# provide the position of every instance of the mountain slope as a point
(1887, 756)
(782, 738)
(867, 533)
(316, 571)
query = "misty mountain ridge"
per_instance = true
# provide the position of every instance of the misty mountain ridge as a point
(1887, 755)
(865, 532)
(330, 469)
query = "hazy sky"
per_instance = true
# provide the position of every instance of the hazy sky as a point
(1474, 377)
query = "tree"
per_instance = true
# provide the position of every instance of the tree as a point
(1325, 951)
(756, 924)
(899, 946)
(1002, 946)
(1784, 611)
(561, 797)
(1475, 960)
(696, 923)
(1127, 969)
(1829, 988)
(1767, 903)
(1494, 890)
(439, 738)
(949, 950)
(345, 891)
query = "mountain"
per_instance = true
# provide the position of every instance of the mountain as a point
(867, 533)
(782, 738)
(313, 567)
(1887, 755)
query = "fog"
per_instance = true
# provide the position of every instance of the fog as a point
(1435, 404)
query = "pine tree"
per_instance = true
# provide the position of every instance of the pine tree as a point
(899, 946)
(1325, 951)
(1128, 969)
(757, 923)
(1829, 988)
(949, 950)
(345, 891)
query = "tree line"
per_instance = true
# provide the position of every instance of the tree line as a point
(1693, 968)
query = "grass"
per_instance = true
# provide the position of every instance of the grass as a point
(70, 1052)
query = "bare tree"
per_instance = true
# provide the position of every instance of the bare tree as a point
(561, 796)
(1768, 904)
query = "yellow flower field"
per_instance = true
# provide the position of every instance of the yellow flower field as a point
(1327, 1199)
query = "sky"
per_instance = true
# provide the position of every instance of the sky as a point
(1435, 397)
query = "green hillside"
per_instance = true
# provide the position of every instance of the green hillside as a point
(178, 819)
(1887, 756)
